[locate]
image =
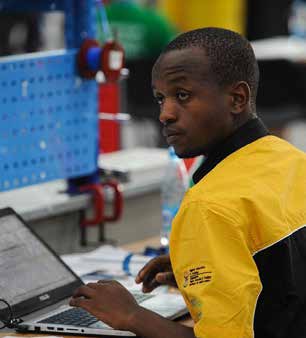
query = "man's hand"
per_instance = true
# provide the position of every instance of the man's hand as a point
(107, 300)
(156, 272)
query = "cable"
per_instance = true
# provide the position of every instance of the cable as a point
(6, 321)
(11, 322)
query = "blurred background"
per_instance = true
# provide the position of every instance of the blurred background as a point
(82, 158)
(277, 29)
(124, 108)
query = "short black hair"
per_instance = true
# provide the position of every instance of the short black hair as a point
(231, 56)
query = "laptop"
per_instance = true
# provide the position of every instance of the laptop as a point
(38, 285)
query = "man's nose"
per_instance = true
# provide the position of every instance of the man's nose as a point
(168, 111)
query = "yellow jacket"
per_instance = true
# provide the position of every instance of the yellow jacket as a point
(249, 205)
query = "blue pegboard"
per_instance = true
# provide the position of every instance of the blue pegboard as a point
(48, 115)
(48, 120)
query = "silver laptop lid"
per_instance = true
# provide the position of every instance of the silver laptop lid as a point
(32, 275)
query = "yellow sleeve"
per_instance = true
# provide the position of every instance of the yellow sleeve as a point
(215, 270)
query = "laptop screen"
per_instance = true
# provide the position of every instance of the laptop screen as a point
(31, 274)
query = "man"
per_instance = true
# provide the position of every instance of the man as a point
(238, 243)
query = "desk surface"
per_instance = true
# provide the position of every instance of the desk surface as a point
(137, 246)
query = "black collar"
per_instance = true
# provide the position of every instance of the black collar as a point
(248, 133)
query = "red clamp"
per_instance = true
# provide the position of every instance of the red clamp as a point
(92, 57)
(99, 203)
(112, 60)
(98, 199)
(82, 64)
(117, 202)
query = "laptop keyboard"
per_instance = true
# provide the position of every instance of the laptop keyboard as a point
(80, 317)
(74, 316)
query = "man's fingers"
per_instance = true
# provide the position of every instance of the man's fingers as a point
(84, 291)
(165, 277)
(161, 278)
(150, 285)
(93, 285)
(147, 269)
(147, 274)
(138, 278)
(80, 302)
(141, 275)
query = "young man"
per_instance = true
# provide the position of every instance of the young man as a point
(238, 244)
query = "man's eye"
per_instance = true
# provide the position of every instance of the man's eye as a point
(182, 96)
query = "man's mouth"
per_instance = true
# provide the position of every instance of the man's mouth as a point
(172, 139)
(171, 135)
(167, 132)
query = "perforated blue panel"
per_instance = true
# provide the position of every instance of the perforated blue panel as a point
(48, 120)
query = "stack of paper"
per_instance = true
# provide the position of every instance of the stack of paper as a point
(106, 260)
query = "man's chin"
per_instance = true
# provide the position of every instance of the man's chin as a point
(187, 153)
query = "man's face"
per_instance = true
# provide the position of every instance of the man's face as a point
(195, 111)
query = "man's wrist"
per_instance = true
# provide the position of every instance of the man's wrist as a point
(134, 318)
(145, 323)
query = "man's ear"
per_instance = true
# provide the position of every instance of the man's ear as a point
(240, 97)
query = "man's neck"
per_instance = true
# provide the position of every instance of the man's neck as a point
(249, 132)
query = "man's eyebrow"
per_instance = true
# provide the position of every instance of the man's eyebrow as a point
(173, 80)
